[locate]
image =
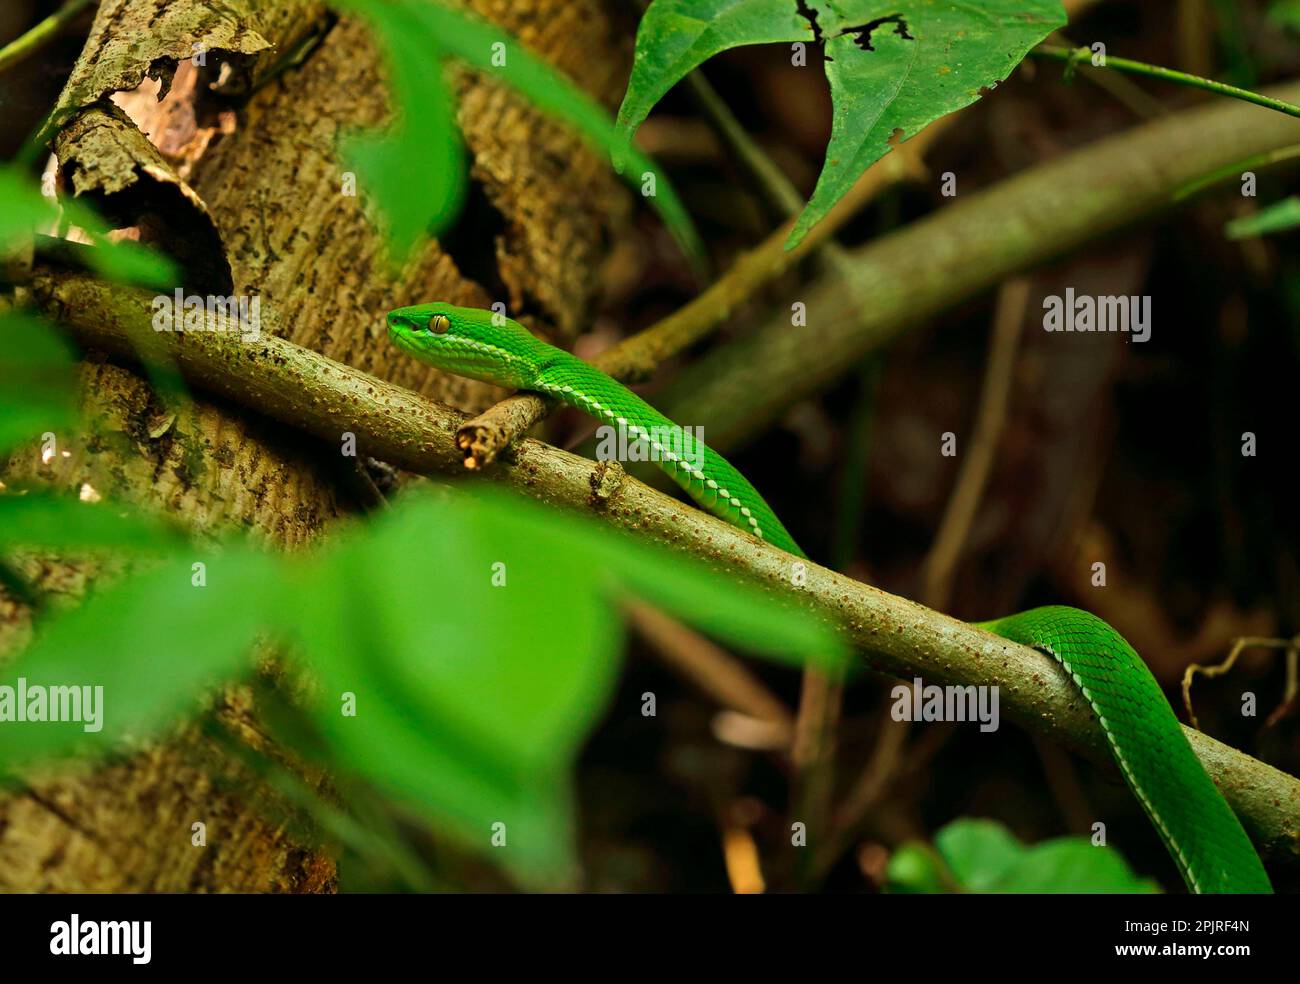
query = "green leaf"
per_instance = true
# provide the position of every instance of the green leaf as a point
(416, 173)
(937, 59)
(915, 869)
(1072, 864)
(1285, 14)
(38, 387)
(618, 564)
(455, 643)
(732, 611)
(983, 856)
(893, 68)
(420, 35)
(153, 642)
(980, 853)
(23, 208)
(40, 520)
(470, 698)
(1281, 216)
(472, 695)
(678, 36)
(479, 636)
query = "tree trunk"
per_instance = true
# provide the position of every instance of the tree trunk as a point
(248, 193)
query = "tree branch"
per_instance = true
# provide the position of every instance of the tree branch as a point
(900, 638)
(966, 248)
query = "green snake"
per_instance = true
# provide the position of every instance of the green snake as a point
(1199, 829)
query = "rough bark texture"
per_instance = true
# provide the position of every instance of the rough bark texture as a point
(265, 173)
(127, 827)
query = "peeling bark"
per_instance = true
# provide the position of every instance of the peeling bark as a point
(135, 39)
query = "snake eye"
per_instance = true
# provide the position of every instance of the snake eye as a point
(439, 324)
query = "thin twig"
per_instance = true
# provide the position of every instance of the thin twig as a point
(813, 758)
(1219, 669)
(714, 671)
(967, 246)
(821, 695)
(1120, 87)
(1073, 56)
(818, 799)
(867, 792)
(1063, 782)
(1291, 689)
(780, 193)
(40, 35)
(940, 564)
(740, 851)
(1236, 168)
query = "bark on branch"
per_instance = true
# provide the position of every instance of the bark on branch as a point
(899, 637)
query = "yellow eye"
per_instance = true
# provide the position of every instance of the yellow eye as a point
(439, 324)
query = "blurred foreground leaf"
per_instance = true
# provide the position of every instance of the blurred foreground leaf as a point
(983, 856)
(44, 521)
(1281, 216)
(23, 209)
(145, 647)
(479, 636)
(416, 172)
(38, 386)
(460, 648)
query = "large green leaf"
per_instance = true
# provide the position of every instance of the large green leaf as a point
(981, 854)
(893, 81)
(470, 698)
(480, 637)
(727, 609)
(893, 68)
(678, 36)
(617, 565)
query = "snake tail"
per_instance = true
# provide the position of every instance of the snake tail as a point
(1198, 828)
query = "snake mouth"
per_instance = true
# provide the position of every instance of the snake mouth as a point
(401, 331)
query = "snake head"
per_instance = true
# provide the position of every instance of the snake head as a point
(470, 342)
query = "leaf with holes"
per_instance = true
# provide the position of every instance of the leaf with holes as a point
(893, 68)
